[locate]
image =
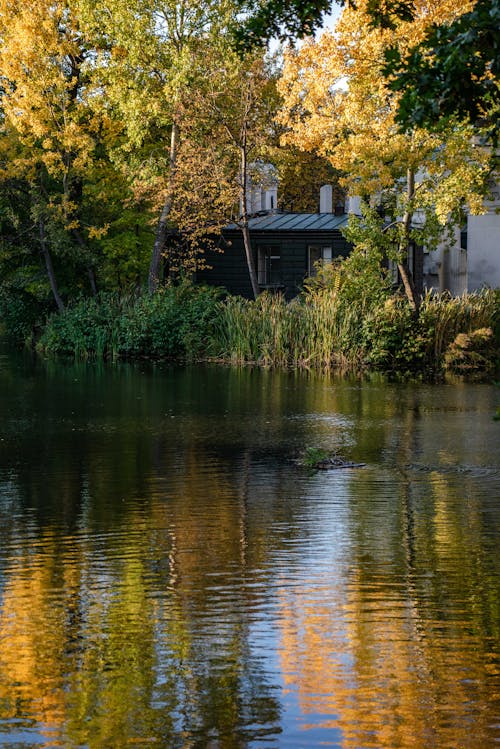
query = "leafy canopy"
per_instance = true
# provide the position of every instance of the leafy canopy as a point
(452, 71)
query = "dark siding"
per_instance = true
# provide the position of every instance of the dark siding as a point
(229, 269)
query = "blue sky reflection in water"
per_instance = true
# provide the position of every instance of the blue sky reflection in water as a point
(169, 577)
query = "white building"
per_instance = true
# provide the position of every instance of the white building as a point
(473, 261)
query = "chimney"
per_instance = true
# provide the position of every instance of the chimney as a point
(354, 204)
(326, 199)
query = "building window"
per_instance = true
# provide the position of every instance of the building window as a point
(318, 255)
(269, 265)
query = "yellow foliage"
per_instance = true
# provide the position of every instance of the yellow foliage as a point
(337, 103)
(39, 60)
(97, 232)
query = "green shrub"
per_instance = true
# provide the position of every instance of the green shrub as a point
(174, 322)
(20, 313)
(393, 340)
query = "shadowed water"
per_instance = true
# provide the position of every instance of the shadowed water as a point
(169, 577)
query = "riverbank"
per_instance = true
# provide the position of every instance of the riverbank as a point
(319, 329)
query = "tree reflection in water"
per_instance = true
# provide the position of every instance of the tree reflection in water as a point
(169, 578)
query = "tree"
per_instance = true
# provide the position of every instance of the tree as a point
(54, 143)
(148, 54)
(452, 70)
(40, 65)
(338, 105)
(236, 104)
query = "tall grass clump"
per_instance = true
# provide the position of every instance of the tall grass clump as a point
(322, 327)
(267, 331)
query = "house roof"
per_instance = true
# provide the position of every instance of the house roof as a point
(294, 222)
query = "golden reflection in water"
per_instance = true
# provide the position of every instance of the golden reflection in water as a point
(399, 662)
(33, 633)
(93, 658)
(129, 620)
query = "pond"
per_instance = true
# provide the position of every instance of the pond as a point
(170, 577)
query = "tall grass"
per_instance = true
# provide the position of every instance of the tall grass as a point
(311, 331)
(445, 316)
(322, 328)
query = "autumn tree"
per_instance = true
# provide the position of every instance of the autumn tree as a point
(451, 71)
(233, 113)
(148, 61)
(337, 104)
(301, 174)
(40, 65)
(54, 146)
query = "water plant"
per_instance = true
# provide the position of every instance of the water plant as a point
(314, 455)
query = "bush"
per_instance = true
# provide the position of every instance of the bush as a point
(20, 313)
(392, 339)
(473, 355)
(175, 322)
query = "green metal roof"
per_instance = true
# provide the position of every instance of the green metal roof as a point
(294, 222)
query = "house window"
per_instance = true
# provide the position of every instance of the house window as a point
(318, 255)
(269, 265)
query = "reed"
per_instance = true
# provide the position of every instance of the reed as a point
(445, 316)
(315, 330)
(321, 329)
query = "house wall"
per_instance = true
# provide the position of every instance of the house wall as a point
(483, 250)
(472, 262)
(474, 259)
(229, 269)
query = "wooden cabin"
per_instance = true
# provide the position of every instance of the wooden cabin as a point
(285, 246)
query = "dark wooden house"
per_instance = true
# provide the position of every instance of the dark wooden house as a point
(285, 246)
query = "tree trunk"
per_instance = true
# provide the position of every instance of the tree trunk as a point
(161, 231)
(50, 267)
(244, 223)
(92, 280)
(412, 293)
(90, 270)
(407, 279)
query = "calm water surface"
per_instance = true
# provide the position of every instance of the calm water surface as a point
(170, 578)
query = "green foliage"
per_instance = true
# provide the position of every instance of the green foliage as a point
(282, 19)
(311, 331)
(173, 323)
(453, 72)
(313, 456)
(393, 340)
(20, 313)
(359, 279)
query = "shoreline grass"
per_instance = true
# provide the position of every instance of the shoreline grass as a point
(317, 330)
